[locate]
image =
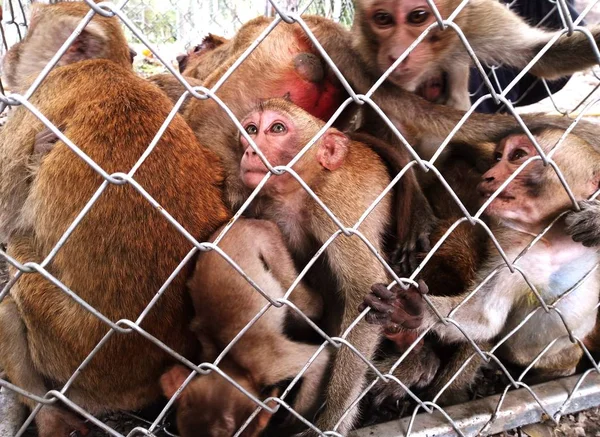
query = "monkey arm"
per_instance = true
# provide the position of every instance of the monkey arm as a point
(480, 318)
(488, 38)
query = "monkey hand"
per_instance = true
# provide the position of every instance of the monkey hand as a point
(396, 308)
(584, 225)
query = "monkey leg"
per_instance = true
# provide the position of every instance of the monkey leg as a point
(15, 359)
(17, 363)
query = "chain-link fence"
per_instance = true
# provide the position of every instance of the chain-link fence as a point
(503, 400)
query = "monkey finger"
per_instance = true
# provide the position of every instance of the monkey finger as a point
(590, 204)
(378, 305)
(382, 292)
(423, 288)
(590, 239)
(411, 305)
(577, 226)
(424, 242)
(412, 262)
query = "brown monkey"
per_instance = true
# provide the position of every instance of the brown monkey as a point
(112, 116)
(335, 168)
(426, 123)
(263, 358)
(556, 265)
(384, 30)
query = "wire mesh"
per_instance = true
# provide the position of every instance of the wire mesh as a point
(161, 26)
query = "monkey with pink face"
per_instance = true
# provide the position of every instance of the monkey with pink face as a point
(557, 269)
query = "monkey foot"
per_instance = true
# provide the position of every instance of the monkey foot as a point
(56, 422)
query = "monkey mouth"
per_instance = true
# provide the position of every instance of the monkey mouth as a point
(434, 88)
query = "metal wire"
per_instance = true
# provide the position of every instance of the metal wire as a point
(453, 418)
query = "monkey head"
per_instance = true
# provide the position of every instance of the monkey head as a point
(280, 130)
(210, 406)
(536, 196)
(389, 27)
(49, 28)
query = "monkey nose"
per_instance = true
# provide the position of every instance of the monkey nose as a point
(309, 67)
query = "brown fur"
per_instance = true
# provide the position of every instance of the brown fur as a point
(111, 260)
(195, 64)
(103, 38)
(173, 88)
(264, 356)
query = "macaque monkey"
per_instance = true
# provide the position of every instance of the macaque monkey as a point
(347, 176)
(384, 30)
(556, 265)
(123, 250)
(262, 359)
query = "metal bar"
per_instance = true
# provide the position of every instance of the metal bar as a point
(518, 409)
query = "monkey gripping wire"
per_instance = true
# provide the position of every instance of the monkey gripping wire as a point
(448, 416)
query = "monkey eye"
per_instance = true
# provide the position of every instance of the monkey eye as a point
(251, 129)
(278, 128)
(418, 16)
(517, 154)
(383, 19)
(497, 156)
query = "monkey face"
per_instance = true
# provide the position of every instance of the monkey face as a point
(535, 194)
(396, 25)
(277, 138)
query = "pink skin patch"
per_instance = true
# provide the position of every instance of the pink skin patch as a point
(318, 99)
(432, 89)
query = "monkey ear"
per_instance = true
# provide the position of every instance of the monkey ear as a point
(333, 149)
(90, 44)
(172, 379)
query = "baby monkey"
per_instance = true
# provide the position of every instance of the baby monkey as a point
(556, 268)
(264, 360)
